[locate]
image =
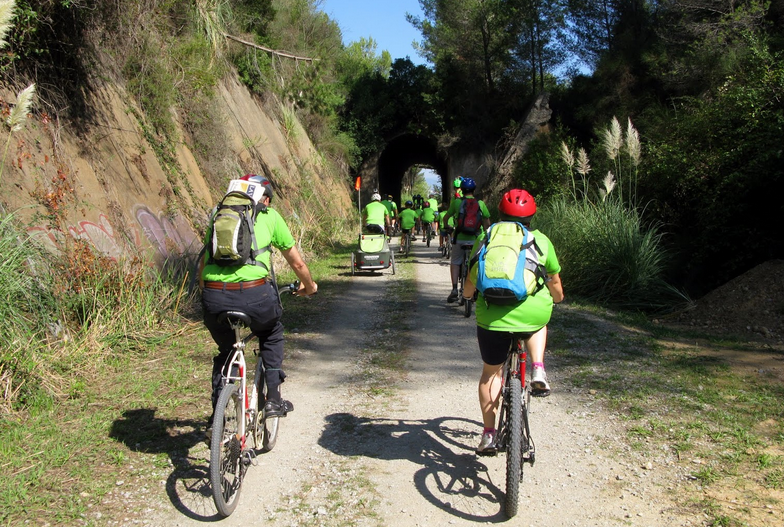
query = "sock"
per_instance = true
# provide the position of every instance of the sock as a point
(539, 365)
(488, 431)
(454, 287)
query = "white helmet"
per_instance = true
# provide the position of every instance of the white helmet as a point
(375, 197)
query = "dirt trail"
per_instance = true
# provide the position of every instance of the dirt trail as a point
(407, 459)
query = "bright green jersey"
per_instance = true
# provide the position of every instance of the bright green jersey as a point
(407, 218)
(390, 205)
(376, 213)
(433, 203)
(270, 229)
(454, 210)
(530, 315)
(428, 215)
(449, 223)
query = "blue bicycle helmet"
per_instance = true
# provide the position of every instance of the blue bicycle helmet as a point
(468, 184)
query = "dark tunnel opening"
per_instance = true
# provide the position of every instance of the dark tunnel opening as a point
(406, 151)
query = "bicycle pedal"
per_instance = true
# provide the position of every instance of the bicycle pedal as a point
(249, 458)
(487, 453)
(540, 394)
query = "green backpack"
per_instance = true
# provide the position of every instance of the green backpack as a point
(233, 240)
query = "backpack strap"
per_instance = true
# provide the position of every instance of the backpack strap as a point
(255, 251)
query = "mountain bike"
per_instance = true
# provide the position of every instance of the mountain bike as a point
(466, 303)
(406, 243)
(513, 434)
(239, 428)
(428, 234)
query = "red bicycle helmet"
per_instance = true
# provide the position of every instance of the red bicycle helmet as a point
(517, 203)
(260, 180)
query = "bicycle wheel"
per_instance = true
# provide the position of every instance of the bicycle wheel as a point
(428, 238)
(467, 308)
(514, 450)
(392, 262)
(226, 467)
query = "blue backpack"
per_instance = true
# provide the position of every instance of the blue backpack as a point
(509, 264)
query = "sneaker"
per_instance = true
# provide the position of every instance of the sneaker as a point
(487, 444)
(277, 408)
(452, 296)
(539, 385)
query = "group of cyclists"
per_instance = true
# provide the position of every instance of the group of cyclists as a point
(498, 326)
(248, 287)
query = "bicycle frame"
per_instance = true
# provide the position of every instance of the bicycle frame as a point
(514, 370)
(237, 363)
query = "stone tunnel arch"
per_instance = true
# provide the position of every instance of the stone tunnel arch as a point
(405, 151)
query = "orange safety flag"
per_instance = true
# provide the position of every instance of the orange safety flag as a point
(358, 183)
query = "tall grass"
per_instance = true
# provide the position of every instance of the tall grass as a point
(607, 254)
(64, 314)
(25, 309)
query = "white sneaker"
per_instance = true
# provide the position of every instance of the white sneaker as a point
(487, 444)
(539, 384)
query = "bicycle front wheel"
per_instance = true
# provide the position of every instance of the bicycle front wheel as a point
(226, 467)
(514, 450)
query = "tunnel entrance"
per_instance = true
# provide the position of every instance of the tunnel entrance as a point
(406, 151)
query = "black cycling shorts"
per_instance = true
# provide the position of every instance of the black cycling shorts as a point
(494, 345)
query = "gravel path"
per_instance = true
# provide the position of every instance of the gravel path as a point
(405, 458)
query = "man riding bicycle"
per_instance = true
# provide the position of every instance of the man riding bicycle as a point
(375, 216)
(499, 326)
(428, 217)
(462, 236)
(248, 288)
(391, 206)
(408, 217)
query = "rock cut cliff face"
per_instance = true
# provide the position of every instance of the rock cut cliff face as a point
(104, 182)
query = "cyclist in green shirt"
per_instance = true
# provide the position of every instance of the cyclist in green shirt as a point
(408, 217)
(461, 239)
(248, 288)
(375, 216)
(499, 326)
(392, 208)
(445, 227)
(428, 216)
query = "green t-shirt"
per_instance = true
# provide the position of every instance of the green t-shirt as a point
(408, 218)
(530, 315)
(428, 215)
(454, 210)
(376, 213)
(433, 203)
(270, 229)
(390, 205)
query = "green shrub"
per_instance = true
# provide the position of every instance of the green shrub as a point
(607, 255)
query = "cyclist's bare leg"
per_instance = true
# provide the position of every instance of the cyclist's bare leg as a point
(489, 392)
(536, 344)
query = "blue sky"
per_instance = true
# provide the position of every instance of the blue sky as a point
(384, 20)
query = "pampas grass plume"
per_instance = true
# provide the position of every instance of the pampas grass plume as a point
(24, 101)
(633, 143)
(6, 14)
(566, 155)
(583, 167)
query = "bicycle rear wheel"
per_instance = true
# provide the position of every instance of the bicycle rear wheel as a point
(514, 450)
(226, 467)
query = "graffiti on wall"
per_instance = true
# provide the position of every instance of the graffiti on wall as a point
(169, 237)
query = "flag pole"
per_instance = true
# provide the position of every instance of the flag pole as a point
(357, 186)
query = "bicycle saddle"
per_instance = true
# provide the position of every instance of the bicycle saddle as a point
(234, 315)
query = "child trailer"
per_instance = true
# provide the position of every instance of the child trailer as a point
(374, 254)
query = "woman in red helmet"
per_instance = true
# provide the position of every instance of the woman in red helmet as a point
(500, 325)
